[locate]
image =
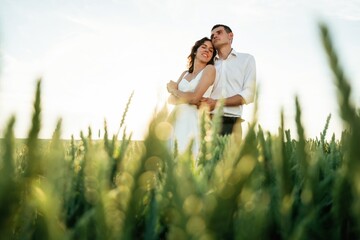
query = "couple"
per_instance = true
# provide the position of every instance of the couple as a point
(215, 71)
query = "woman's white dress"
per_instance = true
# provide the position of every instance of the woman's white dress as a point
(186, 125)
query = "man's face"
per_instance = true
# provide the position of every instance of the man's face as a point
(220, 37)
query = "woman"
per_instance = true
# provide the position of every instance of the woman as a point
(186, 93)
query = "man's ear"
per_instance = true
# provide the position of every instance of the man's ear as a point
(231, 36)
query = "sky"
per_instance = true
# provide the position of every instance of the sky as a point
(91, 55)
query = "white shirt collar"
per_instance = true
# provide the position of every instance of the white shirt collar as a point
(233, 52)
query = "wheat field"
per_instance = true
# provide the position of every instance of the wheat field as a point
(267, 186)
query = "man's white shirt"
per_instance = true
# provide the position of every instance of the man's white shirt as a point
(235, 75)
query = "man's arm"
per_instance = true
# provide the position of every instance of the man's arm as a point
(249, 87)
(234, 101)
(230, 101)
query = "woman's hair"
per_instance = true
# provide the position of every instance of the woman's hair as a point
(191, 57)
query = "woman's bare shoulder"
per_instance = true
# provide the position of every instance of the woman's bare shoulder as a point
(209, 68)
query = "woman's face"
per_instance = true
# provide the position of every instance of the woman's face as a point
(205, 52)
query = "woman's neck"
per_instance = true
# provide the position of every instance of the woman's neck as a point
(198, 66)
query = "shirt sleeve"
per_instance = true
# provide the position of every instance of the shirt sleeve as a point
(249, 85)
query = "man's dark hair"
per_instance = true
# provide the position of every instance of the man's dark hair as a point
(227, 28)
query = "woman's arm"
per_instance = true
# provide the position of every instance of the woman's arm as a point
(207, 79)
(171, 86)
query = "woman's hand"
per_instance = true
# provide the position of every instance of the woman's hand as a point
(171, 86)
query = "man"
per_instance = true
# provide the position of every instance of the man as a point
(235, 81)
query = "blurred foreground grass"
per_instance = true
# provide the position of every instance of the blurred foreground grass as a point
(264, 187)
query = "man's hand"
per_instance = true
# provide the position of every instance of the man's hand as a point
(210, 102)
(171, 86)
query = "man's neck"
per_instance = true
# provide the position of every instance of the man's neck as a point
(225, 51)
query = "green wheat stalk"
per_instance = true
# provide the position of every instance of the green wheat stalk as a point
(124, 113)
